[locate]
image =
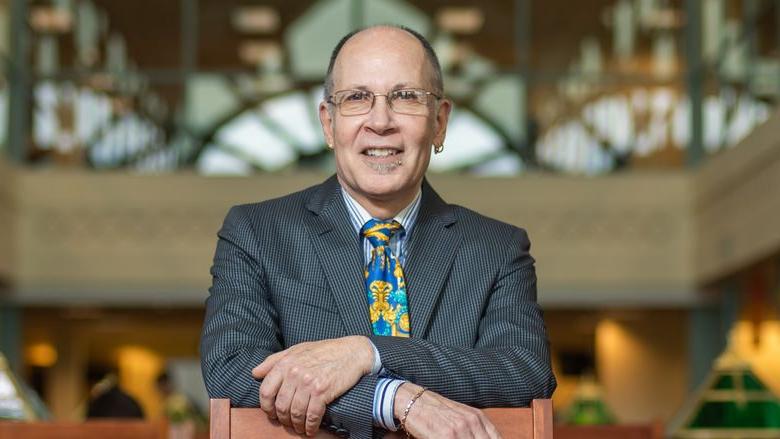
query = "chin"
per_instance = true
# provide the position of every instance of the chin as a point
(381, 189)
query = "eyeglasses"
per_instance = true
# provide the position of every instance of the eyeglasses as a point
(412, 101)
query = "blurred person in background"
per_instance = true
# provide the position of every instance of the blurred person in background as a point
(108, 400)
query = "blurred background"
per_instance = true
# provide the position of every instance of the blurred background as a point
(637, 141)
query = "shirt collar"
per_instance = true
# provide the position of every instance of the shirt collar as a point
(359, 215)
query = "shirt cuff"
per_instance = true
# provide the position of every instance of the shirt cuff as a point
(384, 399)
(377, 367)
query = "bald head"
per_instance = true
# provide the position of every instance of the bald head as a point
(377, 32)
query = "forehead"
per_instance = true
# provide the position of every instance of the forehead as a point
(381, 58)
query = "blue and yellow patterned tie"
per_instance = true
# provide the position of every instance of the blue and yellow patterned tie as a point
(385, 286)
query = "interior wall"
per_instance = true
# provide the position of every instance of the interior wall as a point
(136, 344)
(639, 359)
(123, 239)
(737, 206)
(642, 365)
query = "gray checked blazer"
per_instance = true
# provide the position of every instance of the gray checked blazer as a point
(289, 270)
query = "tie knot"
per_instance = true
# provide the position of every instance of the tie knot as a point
(380, 232)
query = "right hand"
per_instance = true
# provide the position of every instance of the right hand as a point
(300, 381)
(434, 416)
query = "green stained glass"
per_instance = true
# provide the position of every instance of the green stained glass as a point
(735, 404)
(725, 382)
(751, 382)
(589, 412)
(730, 414)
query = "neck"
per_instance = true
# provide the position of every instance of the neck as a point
(382, 208)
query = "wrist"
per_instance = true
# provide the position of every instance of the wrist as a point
(408, 409)
(403, 395)
(365, 353)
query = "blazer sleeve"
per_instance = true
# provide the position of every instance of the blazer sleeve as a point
(241, 329)
(510, 362)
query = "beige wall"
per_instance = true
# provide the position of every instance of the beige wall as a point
(83, 235)
(620, 239)
(738, 204)
(640, 356)
(642, 366)
(637, 238)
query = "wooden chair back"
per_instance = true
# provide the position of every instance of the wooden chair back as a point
(649, 431)
(533, 422)
(93, 429)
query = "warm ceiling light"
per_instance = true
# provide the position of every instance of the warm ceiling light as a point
(254, 52)
(460, 20)
(48, 19)
(255, 19)
(41, 355)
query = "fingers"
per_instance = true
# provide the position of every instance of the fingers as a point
(298, 409)
(268, 392)
(283, 401)
(314, 416)
(300, 381)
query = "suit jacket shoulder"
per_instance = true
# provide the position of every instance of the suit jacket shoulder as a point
(490, 234)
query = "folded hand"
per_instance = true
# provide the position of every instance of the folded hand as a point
(300, 381)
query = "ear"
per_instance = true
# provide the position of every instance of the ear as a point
(326, 120)
(442, 117)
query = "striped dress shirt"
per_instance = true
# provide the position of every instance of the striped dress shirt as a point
(386, 387)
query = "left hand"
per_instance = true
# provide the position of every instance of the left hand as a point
(300, 381)
(434, 416)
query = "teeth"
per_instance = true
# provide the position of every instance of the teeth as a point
(380, 152)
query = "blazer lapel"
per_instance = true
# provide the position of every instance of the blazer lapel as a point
(433, 245)
(338, 249)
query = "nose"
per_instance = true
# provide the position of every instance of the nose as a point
(381, 116)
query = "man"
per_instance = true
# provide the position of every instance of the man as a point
(367, 301)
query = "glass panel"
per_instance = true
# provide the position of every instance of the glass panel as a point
(534, 85)
(724, 382)
(250, 138)
(751, 382)
(731, 414)
(470, 141)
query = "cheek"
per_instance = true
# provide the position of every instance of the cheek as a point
(345, 133)
(422, 138)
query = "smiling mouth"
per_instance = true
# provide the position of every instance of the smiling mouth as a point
(383, 160)
(381, 152)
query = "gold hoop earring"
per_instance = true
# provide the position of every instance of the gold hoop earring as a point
(330, 146)
(438, 148)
